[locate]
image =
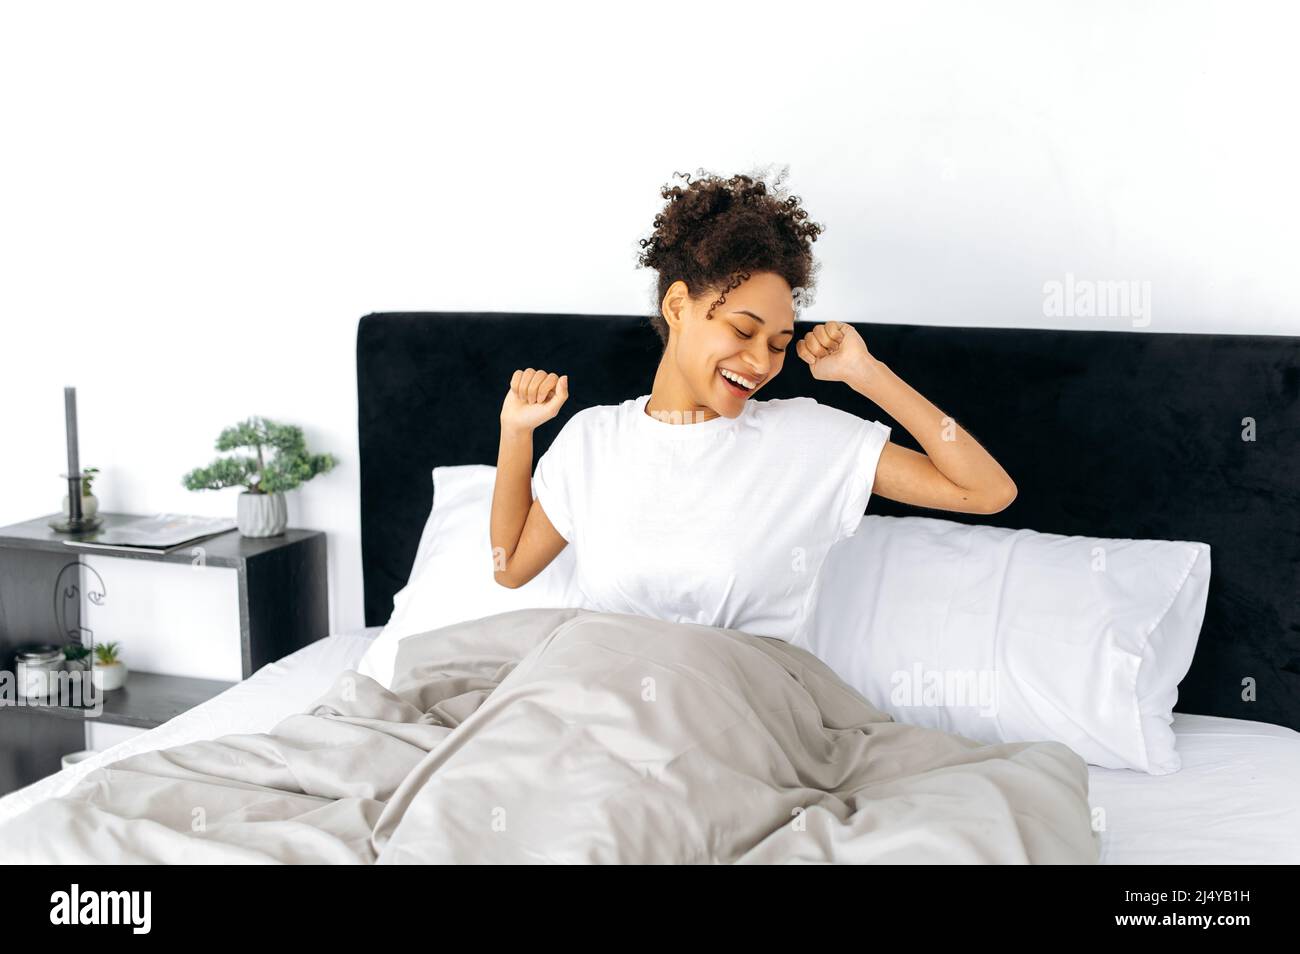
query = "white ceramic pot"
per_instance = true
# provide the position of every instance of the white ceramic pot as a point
(262, 515)
(89, 505)
(108, 677)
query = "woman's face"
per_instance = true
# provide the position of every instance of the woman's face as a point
(747, 335)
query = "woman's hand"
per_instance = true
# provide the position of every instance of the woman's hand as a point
(834, 352)
(533, 399)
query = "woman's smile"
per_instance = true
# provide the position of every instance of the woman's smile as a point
(732, 386)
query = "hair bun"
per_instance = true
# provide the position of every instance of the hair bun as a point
(713, 233)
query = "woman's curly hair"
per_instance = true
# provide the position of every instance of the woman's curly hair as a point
(714, 233)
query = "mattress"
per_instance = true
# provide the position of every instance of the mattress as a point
(1233, 801)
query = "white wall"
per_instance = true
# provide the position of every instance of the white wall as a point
(199, 201)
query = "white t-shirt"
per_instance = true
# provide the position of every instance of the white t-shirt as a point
(724, 522)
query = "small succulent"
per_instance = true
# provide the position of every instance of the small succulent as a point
(106, 654)
(75, 652)
(87, 476)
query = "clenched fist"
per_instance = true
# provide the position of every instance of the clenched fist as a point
(834, 351)
(533, 399)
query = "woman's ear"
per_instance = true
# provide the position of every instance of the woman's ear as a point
(676, 302)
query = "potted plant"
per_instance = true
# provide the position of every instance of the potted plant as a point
(280, 462)
(109, 672)
(89, 502)
(76, 657)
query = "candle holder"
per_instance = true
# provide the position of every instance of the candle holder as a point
(74, 521)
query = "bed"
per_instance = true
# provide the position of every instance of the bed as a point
(1177, 819)
(428, 388)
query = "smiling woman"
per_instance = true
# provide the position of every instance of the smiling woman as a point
(696, 502)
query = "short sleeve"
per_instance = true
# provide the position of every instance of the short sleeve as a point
(862, 455)
(554, 479)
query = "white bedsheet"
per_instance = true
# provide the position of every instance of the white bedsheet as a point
(1234, 801)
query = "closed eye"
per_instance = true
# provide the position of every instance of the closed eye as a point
(747, 337)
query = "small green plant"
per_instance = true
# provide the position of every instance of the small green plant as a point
(75, 652)
(106, 653)
(280, 460)
(87, 475)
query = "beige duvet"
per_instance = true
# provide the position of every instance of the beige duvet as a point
(546, 735)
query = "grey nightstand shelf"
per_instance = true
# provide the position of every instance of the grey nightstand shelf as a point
(283, 605)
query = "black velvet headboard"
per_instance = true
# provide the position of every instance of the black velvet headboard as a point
(1106, 433)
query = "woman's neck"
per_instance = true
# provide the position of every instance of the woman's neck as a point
(671, 401)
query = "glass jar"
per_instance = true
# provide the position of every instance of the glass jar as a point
(34, 665)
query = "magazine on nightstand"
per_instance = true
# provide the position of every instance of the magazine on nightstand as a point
(157, 534)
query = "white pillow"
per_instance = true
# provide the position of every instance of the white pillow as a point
(1013, 635)
(451, 580)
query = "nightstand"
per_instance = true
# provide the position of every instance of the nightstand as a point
(283, 595)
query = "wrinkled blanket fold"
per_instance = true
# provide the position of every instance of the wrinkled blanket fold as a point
(566, 735)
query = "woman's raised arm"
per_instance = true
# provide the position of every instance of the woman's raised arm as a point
(955, 472)
(523, 540)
